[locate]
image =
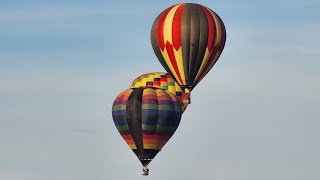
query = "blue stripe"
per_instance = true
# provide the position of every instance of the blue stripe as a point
(149, 111)
(121, 122)
(149, 121)
(119, 113)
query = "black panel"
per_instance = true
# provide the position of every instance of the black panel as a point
(203, 41)
(194, 41)
(185, 38)
(147, 156)
(134, 106)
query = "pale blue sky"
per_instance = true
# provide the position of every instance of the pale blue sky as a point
(254, 116)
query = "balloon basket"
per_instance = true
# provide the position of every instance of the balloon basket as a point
(145, 171)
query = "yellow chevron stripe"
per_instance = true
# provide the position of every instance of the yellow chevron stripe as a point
(167, 36)
(203, 63)
(178, 56)
(167, 59)
(167, 28)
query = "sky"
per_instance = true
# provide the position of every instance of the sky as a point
(254, 116)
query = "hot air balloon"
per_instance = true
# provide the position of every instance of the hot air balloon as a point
(146, 118)
(163, 81)
(188, 39)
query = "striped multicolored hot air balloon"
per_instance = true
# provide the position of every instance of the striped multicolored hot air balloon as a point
(188, 39)
(146, 118)
(163, 81)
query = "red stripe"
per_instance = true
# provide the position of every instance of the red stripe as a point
(160, 28)
(156, 137)
(127, 137)
(211, 28)
(163, 78)
(176, 27)
(123, 98)
(149, 97)
(162, 138)
(163, 98)
(217, 48)
(146, 136)
(173, 60)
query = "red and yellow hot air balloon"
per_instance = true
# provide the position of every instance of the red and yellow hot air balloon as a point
(188, 39)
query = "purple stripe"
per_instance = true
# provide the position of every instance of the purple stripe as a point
(149, 101)
(148, 132)
(120, 101)
(165, 102)
(165, 133)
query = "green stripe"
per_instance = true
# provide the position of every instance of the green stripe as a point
(165, 107)
(119, 107)
(123, 127)
(160, 107)
(171, 84)
(149, 106)
(149, 127)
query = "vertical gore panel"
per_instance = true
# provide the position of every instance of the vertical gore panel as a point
(149, 117)
(185, 40)
(164, 108)
(134, 117)
(194, 41)
(219, 36)
(203, 41)
(119, 116)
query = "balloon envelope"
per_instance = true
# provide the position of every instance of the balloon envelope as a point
(163, 81)
(146, 118)
(188, 39)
